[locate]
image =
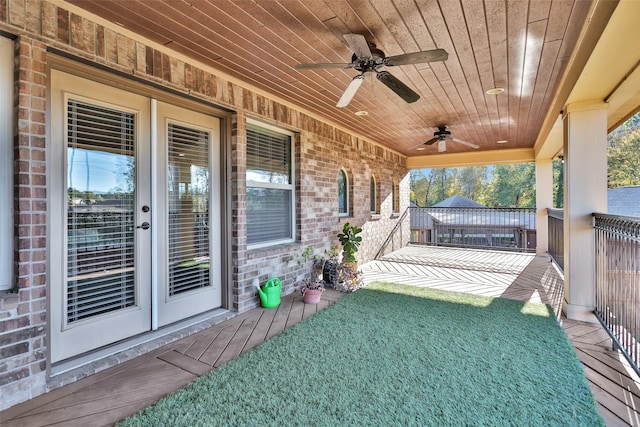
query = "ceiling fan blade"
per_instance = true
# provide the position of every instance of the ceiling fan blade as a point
(359, 45)
(442, 146)
(417, 57)
(468, 144)
(318, 66)
(401, 89)
(350, 91)
(432, 141)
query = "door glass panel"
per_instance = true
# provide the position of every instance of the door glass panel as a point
(188, 184)
(100, 210)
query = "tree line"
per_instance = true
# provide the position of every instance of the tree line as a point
(513, 185)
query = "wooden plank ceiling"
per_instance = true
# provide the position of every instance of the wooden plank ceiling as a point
(521, 46)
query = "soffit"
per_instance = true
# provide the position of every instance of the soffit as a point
(522, 46)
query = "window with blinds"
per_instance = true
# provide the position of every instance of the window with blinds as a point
(188, 176)
(270, 197)
(100, 210)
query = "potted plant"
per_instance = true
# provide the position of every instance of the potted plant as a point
(312, 289)
(350, 242)
(349, 280)
(327, 265)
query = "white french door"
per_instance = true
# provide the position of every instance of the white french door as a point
(99, 247)
(135, 224)
(189, 279)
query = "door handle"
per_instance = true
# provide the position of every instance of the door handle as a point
(145, 226)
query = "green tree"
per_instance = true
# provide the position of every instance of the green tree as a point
(623, 154)
(470, 182)
(558, 184)
(513, 186)
(441, 186)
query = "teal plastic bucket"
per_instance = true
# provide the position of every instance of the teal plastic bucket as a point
(270, 293)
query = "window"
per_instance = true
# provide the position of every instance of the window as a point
(270, 195)
(373, 191)
(6, 163)
(395, 197)
(343, 193)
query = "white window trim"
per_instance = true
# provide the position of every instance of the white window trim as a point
(291, 186)
(346, 184)
(6, 163)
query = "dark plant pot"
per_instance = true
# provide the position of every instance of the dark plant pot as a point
(330, 273)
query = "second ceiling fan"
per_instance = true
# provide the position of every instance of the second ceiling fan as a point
(441, 136)
(368, 59)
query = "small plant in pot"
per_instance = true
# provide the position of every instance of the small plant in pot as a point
(312, 289)
(350, 242)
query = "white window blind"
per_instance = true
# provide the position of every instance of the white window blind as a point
(269, 186)
(100, 210)
(6, 163)
(189, 266)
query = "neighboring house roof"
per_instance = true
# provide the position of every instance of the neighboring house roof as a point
(624, 201)
(458, 201)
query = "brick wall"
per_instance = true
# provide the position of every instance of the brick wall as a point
(320, 151)
(23, 311)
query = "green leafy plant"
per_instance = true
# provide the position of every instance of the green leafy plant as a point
(350, 241)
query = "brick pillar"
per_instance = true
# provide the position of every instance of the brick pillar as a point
(22, 332)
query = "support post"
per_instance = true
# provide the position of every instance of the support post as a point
(585, 148)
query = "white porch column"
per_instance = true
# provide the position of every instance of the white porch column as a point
(585, 192)
(544, 200)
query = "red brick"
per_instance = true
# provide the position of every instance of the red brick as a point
(100, 47)
(63, 26)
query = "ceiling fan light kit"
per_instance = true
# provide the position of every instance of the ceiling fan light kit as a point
(367, 58)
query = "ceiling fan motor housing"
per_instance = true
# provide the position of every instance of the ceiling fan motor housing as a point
(442, 132)
(369, 64)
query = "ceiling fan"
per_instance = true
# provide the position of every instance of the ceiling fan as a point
(368, 59)
(441, 136)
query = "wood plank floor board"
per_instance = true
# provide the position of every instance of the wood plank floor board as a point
(199, 344)
(610, 419)
(281, 317)
(624, 399)
(620, 409)
(237, 343)
(219, 344)
(83, 407)
(295, 315)
(186, 363)
(155, 372)
(259, 333)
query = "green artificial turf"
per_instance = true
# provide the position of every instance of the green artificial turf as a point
(391, 355)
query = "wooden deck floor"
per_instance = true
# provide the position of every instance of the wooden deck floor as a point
(113, 394)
